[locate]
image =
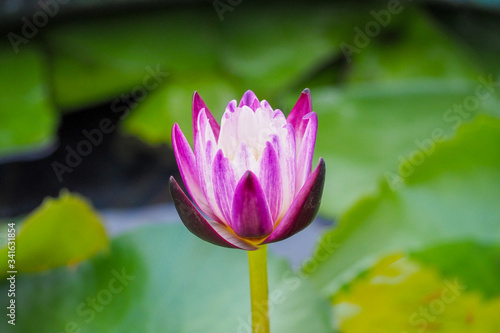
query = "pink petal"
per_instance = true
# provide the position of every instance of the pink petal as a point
(211, 232)
(187, 167)
(198, 105)
(306, 150)
(304, 207)
(224, 184)
(270, 179)
(251, 217)
(249, 99)
(301, 108)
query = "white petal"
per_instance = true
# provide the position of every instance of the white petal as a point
(287, 156)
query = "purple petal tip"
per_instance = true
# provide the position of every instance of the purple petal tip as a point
(249, 99)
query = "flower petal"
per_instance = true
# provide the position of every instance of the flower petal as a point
(198, 105)
(211, 232)
(270, 179)
(224, 184)
(301, 108)
(205, 153)
(249, 99)
(266, 106)
(251, 217)
(204, 127)
(187, 167)
(285, 147)
(231, 106)
(306, 151)
(243, 160)
(228, 133)
(304, 207)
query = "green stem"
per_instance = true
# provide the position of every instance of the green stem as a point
(257, 262)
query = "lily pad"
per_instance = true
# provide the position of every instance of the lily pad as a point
(409, 45)
(62, 231)
(452, 195)
(153, 118)
(256, 51)
(477, 265)
(407, 86)
(98, 59)
(365, 131)
(399, 294)
(163, 279)
(28, 120)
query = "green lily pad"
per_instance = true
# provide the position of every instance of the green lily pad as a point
(272, 48)
(452, 195)
(267, 64)
(409, 45)
(163, 279)
(28, 120)
(365, 130)
(62, 231)
(409, 86)
(153, 118)
(98, 59)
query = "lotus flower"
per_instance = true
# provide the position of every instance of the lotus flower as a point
(251, 176)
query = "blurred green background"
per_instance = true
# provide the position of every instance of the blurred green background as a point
(408, 100)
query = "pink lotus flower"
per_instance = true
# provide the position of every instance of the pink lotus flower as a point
(251, 175)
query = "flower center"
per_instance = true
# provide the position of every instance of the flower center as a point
(251, 128)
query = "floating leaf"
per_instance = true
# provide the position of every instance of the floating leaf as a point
(99, 59)
(412, 298)
(409, 46)
(365, 130)
(153, 118)
(452, 195)
(28, 120)
(62, 231)
(162, 279)
(477, 265)
(256, 50)
(408, 85)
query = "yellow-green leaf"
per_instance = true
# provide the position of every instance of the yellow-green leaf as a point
(401, 295)
(62, 231)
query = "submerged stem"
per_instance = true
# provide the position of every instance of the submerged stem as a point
(257, 262)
